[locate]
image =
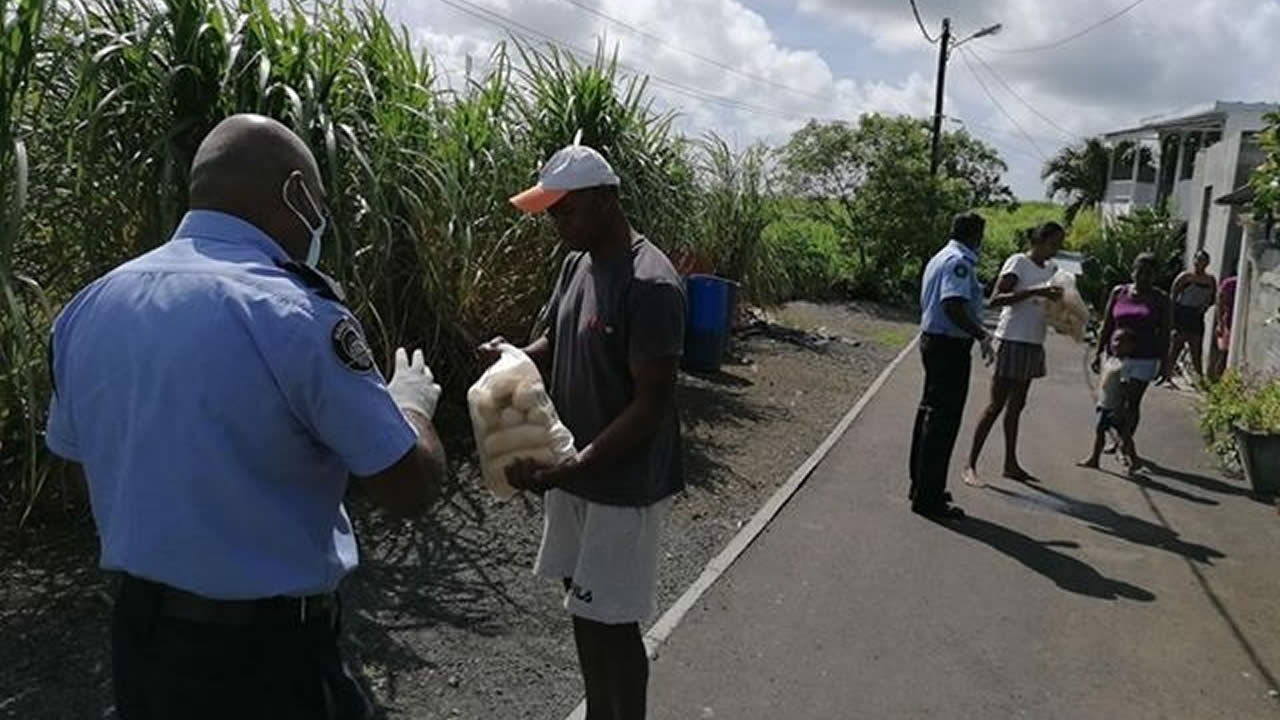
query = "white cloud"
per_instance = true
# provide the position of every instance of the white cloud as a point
(1160, 56)
(782, 86)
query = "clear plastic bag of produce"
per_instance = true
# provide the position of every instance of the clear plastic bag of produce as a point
(513, 419)
(1069, 315)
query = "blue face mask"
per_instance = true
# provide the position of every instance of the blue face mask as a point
(317, 232)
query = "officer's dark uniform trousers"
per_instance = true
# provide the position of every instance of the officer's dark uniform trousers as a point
(178, 656)
(946, 387)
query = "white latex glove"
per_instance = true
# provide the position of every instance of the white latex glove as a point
(413, 387)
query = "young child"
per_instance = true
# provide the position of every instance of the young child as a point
(1112, 402)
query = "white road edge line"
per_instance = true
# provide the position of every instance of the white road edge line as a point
(663, 628)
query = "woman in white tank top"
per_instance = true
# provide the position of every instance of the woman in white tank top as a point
(1193, 292)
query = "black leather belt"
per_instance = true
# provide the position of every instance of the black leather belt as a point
(939, 337)
(281, 610)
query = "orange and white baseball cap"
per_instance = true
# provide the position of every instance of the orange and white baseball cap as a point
(572, 168)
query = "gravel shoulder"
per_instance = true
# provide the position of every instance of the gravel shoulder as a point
(444, 618)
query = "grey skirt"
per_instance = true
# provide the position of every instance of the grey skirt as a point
(1019, 360)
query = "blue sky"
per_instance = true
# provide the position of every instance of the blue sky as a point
(795, 59)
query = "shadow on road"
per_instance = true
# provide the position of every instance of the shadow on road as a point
(1227, 618)
(1144, 480)
(1206, 483)
(1065, 571)
(1109, 522)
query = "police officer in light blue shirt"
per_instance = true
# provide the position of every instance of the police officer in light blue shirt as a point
(951, 319)
(216, 395)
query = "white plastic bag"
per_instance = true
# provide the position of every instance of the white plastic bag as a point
(513, 419)
(1068, 315)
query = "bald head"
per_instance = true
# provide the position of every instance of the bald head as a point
(246, 166)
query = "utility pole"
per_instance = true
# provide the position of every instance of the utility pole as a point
(944, 45)
(944, 51)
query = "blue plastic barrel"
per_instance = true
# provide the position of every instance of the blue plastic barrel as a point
(707, 327)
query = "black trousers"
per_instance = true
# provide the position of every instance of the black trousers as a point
(946, 387)
(165, 668)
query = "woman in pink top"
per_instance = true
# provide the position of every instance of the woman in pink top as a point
(1145, 311)
(1222, 325)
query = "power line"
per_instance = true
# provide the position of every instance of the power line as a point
(998, 130)
(1074, 36)
(506, 23)
(1009, 148)
(916, 11)
(1050, 121)
(697, 56)
(972, 71)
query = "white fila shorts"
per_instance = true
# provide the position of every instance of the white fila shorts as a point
(609, 554)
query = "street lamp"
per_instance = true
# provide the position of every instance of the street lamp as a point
(984, 32)
(944, 54)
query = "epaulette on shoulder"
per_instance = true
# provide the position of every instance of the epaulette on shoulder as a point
(323, 285)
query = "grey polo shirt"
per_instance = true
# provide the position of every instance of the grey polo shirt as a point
(603, 317)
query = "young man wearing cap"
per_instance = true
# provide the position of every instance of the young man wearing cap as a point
(610, 355)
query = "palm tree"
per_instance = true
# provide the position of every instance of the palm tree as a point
(1078, 172)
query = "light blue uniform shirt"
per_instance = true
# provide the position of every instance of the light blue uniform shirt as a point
(951, 273)
(214, 403)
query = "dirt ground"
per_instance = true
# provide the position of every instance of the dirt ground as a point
(444, 618)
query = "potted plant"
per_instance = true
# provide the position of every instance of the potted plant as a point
(1240, 418)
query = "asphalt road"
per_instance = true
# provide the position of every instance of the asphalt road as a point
(1086, 595)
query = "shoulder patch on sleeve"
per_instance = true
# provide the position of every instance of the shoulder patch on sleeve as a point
(350, 346)
(961, 270)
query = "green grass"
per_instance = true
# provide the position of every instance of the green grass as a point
(893, 337)
(815, 263)
(1003, 228)
(25, 311)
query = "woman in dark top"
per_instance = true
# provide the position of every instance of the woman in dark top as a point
(1144, 310)
(1193, 293)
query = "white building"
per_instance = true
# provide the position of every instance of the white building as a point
(1190, 158)
(1255, 334)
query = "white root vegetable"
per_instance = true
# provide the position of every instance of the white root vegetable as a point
(529, 395)
(512, 417)
(521, 437)
(502, 386)
(483, 410)
(539, 416)
(1068, 315)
